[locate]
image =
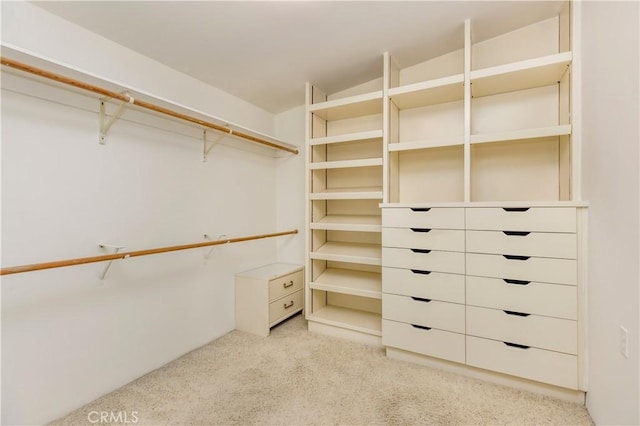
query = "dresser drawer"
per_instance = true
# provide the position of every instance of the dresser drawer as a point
(285, 306)
(534, 219)
(423, 312)
(425, 260)
(559, 271)
(541, 244)
(424, 238)
(441, 218)
(560, 301)
(281, 286)
(433, 342)
(535, 364)
(555, 334)
(430, 285)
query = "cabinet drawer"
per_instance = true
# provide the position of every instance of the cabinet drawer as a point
(423, 312)
(535, 364)
(279, 287)
(559, 271)
(285, 306)
(555, 334)
(534, 219)
(430, 285)
(433, 342)
(442, 218)
(560, 245)
(424, 238)
(560, 301)
(438, 261)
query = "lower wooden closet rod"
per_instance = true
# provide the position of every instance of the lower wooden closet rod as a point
(125, 255)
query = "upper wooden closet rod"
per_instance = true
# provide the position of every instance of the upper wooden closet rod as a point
(125, 255)
(126, 98)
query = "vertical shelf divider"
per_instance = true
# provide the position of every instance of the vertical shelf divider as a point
(467, 110)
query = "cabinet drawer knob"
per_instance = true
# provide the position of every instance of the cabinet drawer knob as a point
(516, 282)
(418, 271)
(287, 306)
(518, 314)
(516, 233)
(421, 327)
(515, 345)
(420, 209)
(287, 285)
(423, 251)
(512, 257)
(423, 230)
(515, 209)
(421, 299)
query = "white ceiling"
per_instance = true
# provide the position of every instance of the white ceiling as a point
(265, 51)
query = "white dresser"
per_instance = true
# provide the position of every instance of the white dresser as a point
(268, 295)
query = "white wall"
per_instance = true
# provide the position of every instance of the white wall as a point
(610, 174)
(67, 336)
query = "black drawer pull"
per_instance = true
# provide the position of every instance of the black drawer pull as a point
(420, 209)
(418, 271)
(517, 282)
(285, 285)
(425, 230)
(515, 345)
(421, 251)
(515, 209)
(518, 314)
(512, 257)
(421, 327)
(287, 306)
(516, 233)
(421, 299)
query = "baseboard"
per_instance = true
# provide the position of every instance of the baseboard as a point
(344, 333)
(570, 395)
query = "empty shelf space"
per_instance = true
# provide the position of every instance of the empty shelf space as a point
(409, 146)
(366, 254)
(364, 162)
(364, 322)
(348, 137)
(442, 90)
(363, 223)
(350, 107)
(521, 75)
(366, 193)
(358, 283)
(542, 132)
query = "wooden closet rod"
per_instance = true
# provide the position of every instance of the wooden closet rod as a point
(125, 255)
(126, 98)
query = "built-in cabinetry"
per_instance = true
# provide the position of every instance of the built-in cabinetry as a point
(482, 221)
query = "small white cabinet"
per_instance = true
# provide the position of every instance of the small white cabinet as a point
(268, 295)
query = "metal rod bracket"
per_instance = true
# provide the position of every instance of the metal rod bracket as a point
(206, 237)
(206, 149)
(108, 265)
(105, 121)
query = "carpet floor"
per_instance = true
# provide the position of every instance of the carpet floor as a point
(295, 377)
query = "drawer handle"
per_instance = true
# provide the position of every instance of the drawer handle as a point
(518, 314)
(421, 299)
(420, 209)
(418, 271)
(424, 230)
(423, 251)
(289, 305)
(515, 345)
(517, 282)
(512, 257)
(421, 327)
(516, 233)
(285, 285)
(515, 209)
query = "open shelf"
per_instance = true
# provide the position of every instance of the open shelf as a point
(349, 107)
(366, 193)
(362, 223)
(365, 254)
(357, 283)
(348, 137)
(438, 91)
(364, 162)
(364, 322)
(521, 75)
(409, 146)
(542, 132)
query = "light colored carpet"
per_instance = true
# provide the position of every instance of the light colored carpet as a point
(295, 377)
